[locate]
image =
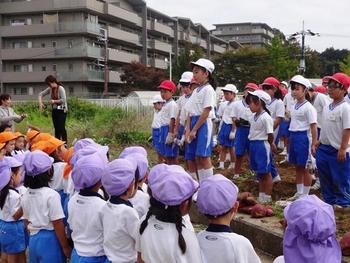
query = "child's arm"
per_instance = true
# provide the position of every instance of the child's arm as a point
(199, 123)
(18, 214)
(61, 236)
(139, 259)
(344, 144)
(313, 127)
(270, 139)
(277, 122)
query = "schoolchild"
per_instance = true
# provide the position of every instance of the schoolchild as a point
(217, 200)
(303, 134)
(20, 144)
(42, 211)
(241, 115)
(84, 209)
(332, 156)
(226, 133)
(200, 108)
(163, 236)
(261, 142)
(156, 124)
(13, 236)
(9, 138)
(120, 220)
(169, 150)
(310, 236)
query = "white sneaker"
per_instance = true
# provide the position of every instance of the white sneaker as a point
(231, 166)
(276, 179)
(235, 176)
(284, 160)
(284, 152)
(220, 168)
(295, 197)
(317, 185)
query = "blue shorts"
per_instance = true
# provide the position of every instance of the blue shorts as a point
(260, 157)
(45, 247)
(167, 150)
(155, 139)
(13, 237)
(181, 131)
(202, 145)
(241, 141)
(75, 258)
(223, 135)
(334, 176)
(284, 129)
(299, 148)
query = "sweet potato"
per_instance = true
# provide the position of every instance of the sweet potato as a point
(245, 209)
(258, 211)
(345, 244)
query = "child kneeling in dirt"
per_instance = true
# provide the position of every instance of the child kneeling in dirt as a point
(217, 199)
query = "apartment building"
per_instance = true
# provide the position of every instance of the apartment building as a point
(73, 40)
(255, 35)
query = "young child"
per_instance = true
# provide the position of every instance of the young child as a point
(261, 142)
(332, 157)
(2, 150)
(20, 144)
(120, 220)
(217, 200)
(226, 133)
(199, 126)
(277, 112)
(310, 235)
(42, 212)
(241, 115)
(169, 150)
(163, 235)
(303, 121)
(156, 124)
(84, 210)
(13, 238)
(9, 138)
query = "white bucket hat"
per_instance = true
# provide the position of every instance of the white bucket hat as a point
(204, 63)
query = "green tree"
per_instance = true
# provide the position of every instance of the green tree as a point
(313, 64)
(331, 59)
(345, 65)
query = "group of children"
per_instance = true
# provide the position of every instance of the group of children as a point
(268, 114)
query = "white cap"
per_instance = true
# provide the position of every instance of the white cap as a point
(186, 77)
(204, 63)
(230, 87)
(285, 83)
(301, 80)
(262, 95)
(157, 98)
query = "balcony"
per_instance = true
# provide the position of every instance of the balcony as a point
(219, 49)
(122, 35)
(49, 29)
(158, 63)
(160, 28)
(114, 77)
(159, 45)
(203, 44)
(122, 56)
(123, 14)
(47, 53)
(89, 75)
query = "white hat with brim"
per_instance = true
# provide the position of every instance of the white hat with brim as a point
(231, 88)
(204, 63)
(301, 80)
(157, 98)
(186, 77)
(262, 95)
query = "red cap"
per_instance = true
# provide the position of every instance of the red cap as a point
(284, 91)
(252, 86)
(342, 79)
(271, 81)
(325, 79)
(193, 81)
(321, 89)
(168, 85)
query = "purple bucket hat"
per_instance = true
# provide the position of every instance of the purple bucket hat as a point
(5, 173)
(132, 150)
(216, 195)
(310, 235)
(141, 161)
(88, 150)
(37, 162)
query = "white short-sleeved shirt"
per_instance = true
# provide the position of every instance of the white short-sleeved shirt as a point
(169, 111)
(40, 207)
(85, 221)
(157, 123)
(159, 243)
(140, 202)
(202, 97)
(232, 247)
(221, 108)
(276, 108)
(288, 101)
(260, 126)
(320, 101)
(21, 190)
(68, 185)
(347, 98)
(227, 116)
(120, 230)
(12, 204)
(181, 103)
(302, 115)
(241, 110)
(57, 182)
(336, 118)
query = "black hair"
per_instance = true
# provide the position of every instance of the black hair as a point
(255, 100)
(171, 214)
(307, 95)
(4, 97)
(38, 181)
(278, 94)
(54, 93)
(214, 217)
(3, 194)
(4, 127)
(15, 170)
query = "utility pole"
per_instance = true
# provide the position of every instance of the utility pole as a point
(170, 63)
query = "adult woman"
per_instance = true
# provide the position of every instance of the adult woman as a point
(7, 115)
(59, 106)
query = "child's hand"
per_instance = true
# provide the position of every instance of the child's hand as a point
(274, 148)
(67, 251)
(192, 135)
(313, 149)
(169, 138)
(341, 155)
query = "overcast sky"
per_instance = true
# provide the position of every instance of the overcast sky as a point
(329, 18)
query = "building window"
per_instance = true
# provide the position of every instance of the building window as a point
(21, 44)
(70, 67)
(23, 91)
(30, 67)
(54, 67)
(18, 22)
(30, 44)
(43, 45)
(43, 68)
(30, 91)
(54, 43)
(70, 43)
(71, 90)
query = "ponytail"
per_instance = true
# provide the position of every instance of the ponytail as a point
(3, 194)
(264, 107)
(278, 94)
(211, 80)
